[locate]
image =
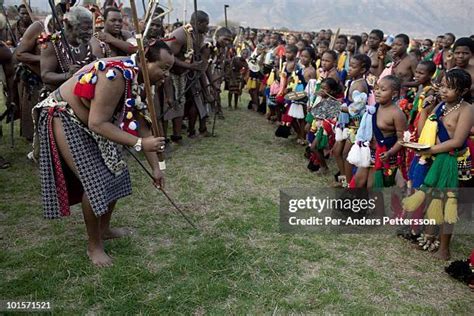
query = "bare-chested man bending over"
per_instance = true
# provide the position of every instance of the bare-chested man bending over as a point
(80, 126)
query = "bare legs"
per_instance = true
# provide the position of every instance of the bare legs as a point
(108, 232)
(98, 228)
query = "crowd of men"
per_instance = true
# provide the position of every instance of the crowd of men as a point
(43, 58)
(354, 98)
(61, 77)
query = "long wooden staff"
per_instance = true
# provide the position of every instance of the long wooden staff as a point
(155, 124)
(166, 194)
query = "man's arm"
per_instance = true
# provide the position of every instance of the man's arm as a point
(102, 109)
(25, 50)
(176, 42)
(49, 64)
(205, 55)
(96, 48)
(126, 34)
(123, 46)
(101, 112)
(410, 84)
(176, 45)
(5, 54)
(196, 66)
(8, 67)
(144, 131)
(205, 75)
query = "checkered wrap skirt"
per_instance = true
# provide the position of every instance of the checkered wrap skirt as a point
(60, 187)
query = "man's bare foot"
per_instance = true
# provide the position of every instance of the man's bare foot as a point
(118, 232)
(98, 257)
(442, 254)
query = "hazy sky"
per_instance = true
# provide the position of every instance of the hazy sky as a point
(417, 17)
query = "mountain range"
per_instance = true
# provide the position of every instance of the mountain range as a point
(419, 18)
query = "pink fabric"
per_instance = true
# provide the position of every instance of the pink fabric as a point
(371, 98)
(386, 72)
(275, 88)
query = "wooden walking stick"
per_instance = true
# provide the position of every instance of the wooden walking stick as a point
(166, 194)
(157, 129)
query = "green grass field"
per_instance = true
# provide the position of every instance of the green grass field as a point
(239, 262)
